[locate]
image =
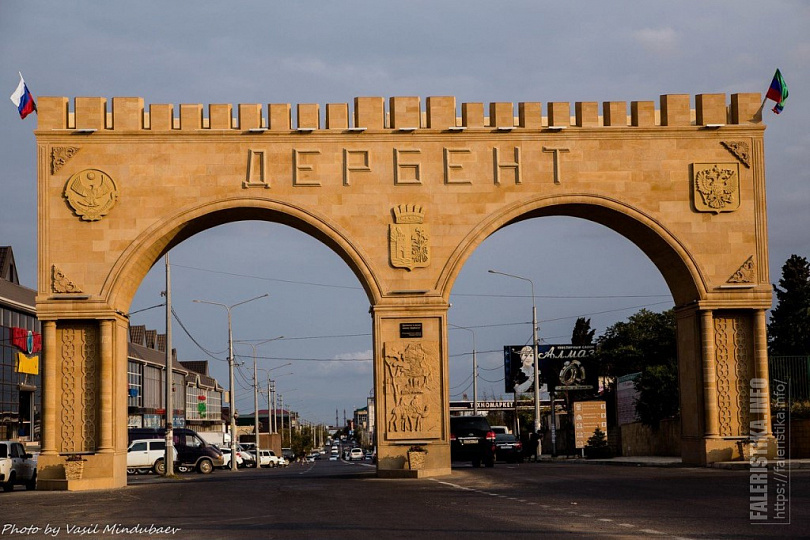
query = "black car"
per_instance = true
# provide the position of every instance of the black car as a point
(472, 439)
(508, 448)
(192, 451)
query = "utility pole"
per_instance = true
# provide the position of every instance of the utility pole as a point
(232, 389)
(537, 371)
(169, 459)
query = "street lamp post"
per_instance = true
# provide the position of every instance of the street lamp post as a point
(475, 368)
(536, 370)
(256, 389)
(231, 397)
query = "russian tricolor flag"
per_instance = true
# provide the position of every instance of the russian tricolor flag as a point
(23, 99)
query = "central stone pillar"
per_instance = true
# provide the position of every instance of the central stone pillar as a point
(411, 388)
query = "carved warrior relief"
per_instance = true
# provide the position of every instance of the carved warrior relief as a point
(411, 378)
(716, 187)
(746, 273)
(409, 238)
(61, 155)
(741, 150)
(733, 362)
(91, 194)
(78, 359)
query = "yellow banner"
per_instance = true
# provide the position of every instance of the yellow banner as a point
(27, 364)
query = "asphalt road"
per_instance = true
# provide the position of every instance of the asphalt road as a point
(337, 500)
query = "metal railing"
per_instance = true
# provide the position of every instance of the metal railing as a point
(795, 370)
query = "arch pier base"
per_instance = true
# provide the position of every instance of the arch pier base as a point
(411, 387)
(84, 409)
(725, 395)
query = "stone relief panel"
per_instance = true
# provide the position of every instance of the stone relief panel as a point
(733, 364)
(78, 363)
(716, 187)
(412, 389)
(746, 273)
(741, 150)
(91, 194)
(409, 238)
(60, 283)
(61, 155)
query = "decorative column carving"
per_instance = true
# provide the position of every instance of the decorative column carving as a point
(78, 354)
(733, 360)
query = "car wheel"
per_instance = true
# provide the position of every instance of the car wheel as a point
(476, 463)
(183, 469)
(131, 470)
(143, 471)
(32, 484)
(160, 467)
(205, 466)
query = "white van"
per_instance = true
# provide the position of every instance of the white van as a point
(146, 454)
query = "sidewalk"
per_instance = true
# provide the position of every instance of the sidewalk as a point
(668, 461)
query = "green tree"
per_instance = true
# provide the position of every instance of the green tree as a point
(647, 338)
(645, 343)
(583, 333)
(789, 329)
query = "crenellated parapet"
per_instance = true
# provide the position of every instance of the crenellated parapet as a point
(402, 114)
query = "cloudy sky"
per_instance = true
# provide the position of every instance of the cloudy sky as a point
(318, 52)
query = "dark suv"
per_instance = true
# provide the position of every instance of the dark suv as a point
(471, 439)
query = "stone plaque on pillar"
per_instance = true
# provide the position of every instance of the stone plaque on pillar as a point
(412, 390)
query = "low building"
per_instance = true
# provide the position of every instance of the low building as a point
(20, 350)
(196, 396)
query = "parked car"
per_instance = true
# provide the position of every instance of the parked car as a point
(147, 454)
(268, 458)
(17, 467)
(226, 458)
(500, 430)
(508, 448)
(472, 439)
(356, 454)
(248, 459)
(192, 451)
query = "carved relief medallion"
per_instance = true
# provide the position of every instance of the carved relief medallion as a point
(411, 376)
(716, 187)
(91, 194)
(409, 238)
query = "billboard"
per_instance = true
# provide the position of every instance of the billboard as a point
(518, 365)
(568, 367)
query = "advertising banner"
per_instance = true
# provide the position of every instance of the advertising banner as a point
(568, 367)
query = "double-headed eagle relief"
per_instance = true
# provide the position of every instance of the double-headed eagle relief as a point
(91, 194)
(716, 187)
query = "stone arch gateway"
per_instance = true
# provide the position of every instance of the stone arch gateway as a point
(404, 196)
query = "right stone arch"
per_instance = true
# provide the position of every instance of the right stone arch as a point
(721, 339)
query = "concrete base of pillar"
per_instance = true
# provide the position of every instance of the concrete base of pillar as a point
(101, 471)
(707, 450)
(407, 473)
